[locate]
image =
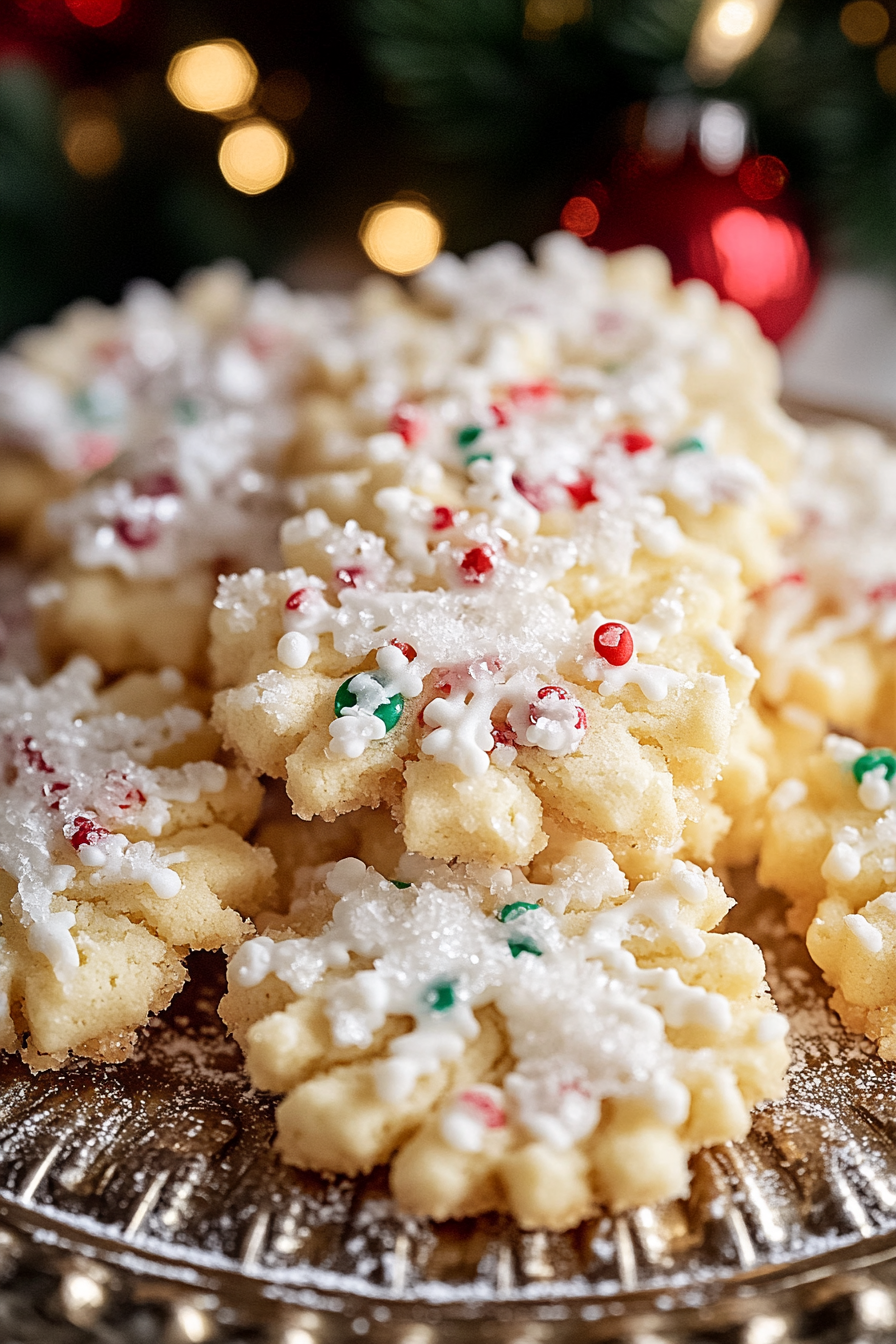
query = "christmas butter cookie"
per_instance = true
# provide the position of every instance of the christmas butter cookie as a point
(549, 1049)
(474, 673)
(585, 372)
(121, 850)
(101, 381)
(830, 846)
(192, 395)
(824, 634)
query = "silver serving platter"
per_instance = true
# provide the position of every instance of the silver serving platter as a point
(150, 1186)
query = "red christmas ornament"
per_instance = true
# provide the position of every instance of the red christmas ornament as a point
(741, 230)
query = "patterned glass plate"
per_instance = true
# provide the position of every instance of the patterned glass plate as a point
(160, 1170)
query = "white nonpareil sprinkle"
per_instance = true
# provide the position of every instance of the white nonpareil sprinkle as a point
(76, 777)
(434, 953)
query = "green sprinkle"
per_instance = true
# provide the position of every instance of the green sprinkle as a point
(873, 760)
(689, 445)
(401, 885)
(518, 945)
(96, 409)
(479, 457)
(186, 411)
(390, 712)
(440, 996)
(515, 909)
(469, 434)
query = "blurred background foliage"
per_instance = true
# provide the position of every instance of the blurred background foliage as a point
(496, 111)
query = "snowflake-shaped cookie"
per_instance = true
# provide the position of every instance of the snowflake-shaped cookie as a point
(830, 846)
(121, 850)
(546, 1048)
(477, 688)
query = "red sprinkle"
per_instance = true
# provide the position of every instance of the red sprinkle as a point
(633, 442)
(477, 563)
(296, 600)
(155, 484)
(555, 692)
(491, 1114)
(407, 649)
(500, 414)
(613, 641)
(581, 492)
(132, 794)
(50, 789)
(441, 518)
(576, 1085)
(261, 340)
(349, 576)
(796, 577)
(96, 450)
(503, 735)
(35, 757)
(108, 351)
(137, 535)
(536, 495)
(408, 421)
(582, 719)
(523, 392)
(87, 832)
(886, 592)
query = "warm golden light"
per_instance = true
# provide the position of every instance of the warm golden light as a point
(92, 144)
(546, 16)
(254, 156)
(885, 68)
(864, 22)
(213, 76)
(401, 237)
(736, 18)
(726, 33)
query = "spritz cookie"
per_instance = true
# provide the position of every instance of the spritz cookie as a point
(193, 397)
(101, 381)
(549, 365)
(121, 850)
(830, 846)
(546, 1049)
(823, 634)
(481, 674)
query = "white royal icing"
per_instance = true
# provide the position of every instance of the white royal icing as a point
(75, 778)
(433, 952)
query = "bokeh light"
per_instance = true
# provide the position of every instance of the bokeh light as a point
(735, 18)
(285, 94)
(763, 177)
(885, 68)
(401, 237)
(213, 76)
(726, 33)
(95, 13)
(544, 17)
(91, 142)
(580, 216)
(762, 257)
(864, 22)
(254, 156)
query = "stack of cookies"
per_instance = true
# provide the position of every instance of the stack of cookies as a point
(431, 651)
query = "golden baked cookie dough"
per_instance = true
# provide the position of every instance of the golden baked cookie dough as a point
(121, 850)
(492, 706)
(545, 1048)
(830, 846)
